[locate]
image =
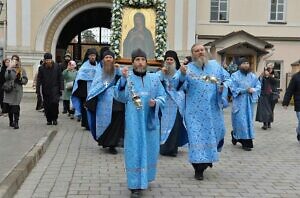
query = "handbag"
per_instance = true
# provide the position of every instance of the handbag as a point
(8, 86)
(275, 96)
(69, 85)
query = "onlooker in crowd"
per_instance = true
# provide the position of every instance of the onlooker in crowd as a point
(15, 78)
(268, 98)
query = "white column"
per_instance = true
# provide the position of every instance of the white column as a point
(11, 23)
(192, 18)
(178, 34)
(26, 22)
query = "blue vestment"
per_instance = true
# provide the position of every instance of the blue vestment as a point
(175, 101)
(243, 104)
(86, 73)
(141, 142)
(103, 89)
(204, 111)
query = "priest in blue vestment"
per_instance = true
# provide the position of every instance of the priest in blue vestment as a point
(143, 95)
(82, 84)
(105, 114)
(206, 85)
(245, 88)
(173, 132)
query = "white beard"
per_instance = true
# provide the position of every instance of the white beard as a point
(171, 69)
(200, 62)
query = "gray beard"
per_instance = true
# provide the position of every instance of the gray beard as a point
(107, 77)
(171, 69)
(108, 72)
(200, 62)
(140, 70)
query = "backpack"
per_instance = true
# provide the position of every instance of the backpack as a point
(8, 86)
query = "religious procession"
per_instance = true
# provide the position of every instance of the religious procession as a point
(142, 97)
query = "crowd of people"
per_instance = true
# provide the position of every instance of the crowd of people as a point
(152, 113)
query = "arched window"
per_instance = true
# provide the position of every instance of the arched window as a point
(97, 37)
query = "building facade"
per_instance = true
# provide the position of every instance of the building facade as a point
(263, 30)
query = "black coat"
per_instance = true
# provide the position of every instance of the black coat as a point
(2, 75)
(266, 103)
(51, 81)
(293, 90)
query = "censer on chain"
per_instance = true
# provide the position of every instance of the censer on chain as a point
(137, 101)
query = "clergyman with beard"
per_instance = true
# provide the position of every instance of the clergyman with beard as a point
(50, 81)
(105, 114)
(245, 88)
(82, 85)
(173, 132)
(143, 95)
(206, 84)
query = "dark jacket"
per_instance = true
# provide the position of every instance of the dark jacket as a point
(51, 82)
(293, 90)
(2, 75)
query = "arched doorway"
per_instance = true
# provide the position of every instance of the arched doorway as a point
(89, 28)
(58, 17)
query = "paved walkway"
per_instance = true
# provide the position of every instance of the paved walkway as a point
(75, 167)
(16, 143)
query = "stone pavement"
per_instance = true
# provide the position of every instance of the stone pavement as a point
(75, 167)
(16, 143)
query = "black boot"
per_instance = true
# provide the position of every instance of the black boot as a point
(198, 171)
(135, 193)
(112, 150)
(233, 140)
(265, 126)
(269, 125)
(11, 119)
(16, 125)
(16, 120)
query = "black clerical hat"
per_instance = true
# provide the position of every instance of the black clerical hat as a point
(108, 52)
(47, 55)
(242, 60)
(173, 54)
(138, 53)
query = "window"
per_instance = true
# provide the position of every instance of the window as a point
(96, 37)
(277, 11)
(219, 10)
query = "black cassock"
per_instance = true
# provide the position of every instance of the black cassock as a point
(267, 101)
(115, 131)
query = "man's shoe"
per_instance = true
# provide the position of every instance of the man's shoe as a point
(199, 175)
(65, 111)
(246, 148)
(49, 123)
(112, 150)
(54, 122)
(169, 154)
(233, 140)
(136, 193)
(269, 125)
(11, 124)
(298, 137)
(16, 125)
(264, 127)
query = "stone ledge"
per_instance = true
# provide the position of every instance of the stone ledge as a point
(10, 184)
